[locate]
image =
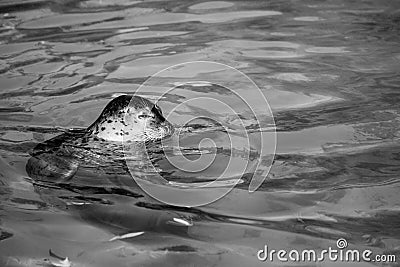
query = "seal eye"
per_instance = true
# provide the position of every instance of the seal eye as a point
(144, 116)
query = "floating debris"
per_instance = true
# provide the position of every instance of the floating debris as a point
(62, 262)
(183, 222)
(129, 235)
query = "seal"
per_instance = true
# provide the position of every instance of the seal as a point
(126, 119)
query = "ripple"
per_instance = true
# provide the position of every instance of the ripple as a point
(270, 54)
(9, 50)
(312, 141)
(63, 20)
(14, 136)
(5, 235)
(181, 248)
(326, 230)
(171, 18)
(250, 44)
(327, 50)
(144, 34)
(292, 77)
(107, 3)
(16, 5)
(211, 5)
(283, 34)
(310, 18)
(268, 49)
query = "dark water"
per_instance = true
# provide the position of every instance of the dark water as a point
(330, 70)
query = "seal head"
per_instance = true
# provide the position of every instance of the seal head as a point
(131, 119)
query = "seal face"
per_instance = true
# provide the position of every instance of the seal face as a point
(132, 119)
(127, 118)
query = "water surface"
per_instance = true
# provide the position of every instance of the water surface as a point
(330, 71)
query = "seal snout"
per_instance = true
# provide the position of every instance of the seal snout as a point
(158, 113)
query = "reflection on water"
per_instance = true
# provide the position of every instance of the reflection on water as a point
(329, 70)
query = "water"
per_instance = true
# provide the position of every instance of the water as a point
(330, 71)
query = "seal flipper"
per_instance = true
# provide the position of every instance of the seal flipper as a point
(50, 161)
(47, 166)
